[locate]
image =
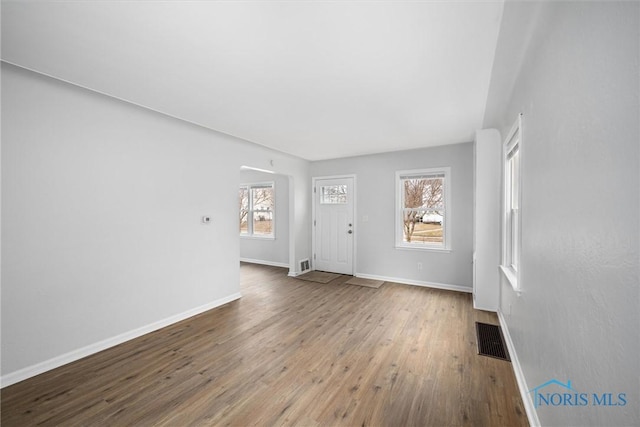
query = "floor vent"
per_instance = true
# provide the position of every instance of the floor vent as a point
(490, 341)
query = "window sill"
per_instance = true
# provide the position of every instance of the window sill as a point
(245, 236)
(423, 248)
(511, 276)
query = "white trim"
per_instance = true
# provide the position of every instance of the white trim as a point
(409, 247)
(447, 287)
(258, 184)
(250, 211)
(251, 168)
(399, 232)
(512, 277)
(72, 356)
(483, 308)
(532, 415)
(512, 142)
(258, 237)
(263, 262)
(292, 215)
(297, 273)
(333, 177)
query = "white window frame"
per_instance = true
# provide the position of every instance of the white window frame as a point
(445, 246)
(250, 234)
(512, 205)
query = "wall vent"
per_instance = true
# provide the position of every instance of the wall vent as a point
(304, 265)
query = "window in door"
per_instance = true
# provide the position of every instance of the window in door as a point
(333, 194)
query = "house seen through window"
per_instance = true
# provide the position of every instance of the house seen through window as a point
(423, 204)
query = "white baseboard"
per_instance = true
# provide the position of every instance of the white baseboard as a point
(479, 307)
(300, 273)
(72, 356)
(444, 286)
(529, 407)
(263, 262)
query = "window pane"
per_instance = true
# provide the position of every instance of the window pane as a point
(243, 197)
(262, 222)
(424, 193)
(333, 194)
(423, 226)
(423, 208)
(257, 208)
(262, 198)
(513, 235)
(515, 177)
(512, 217)
(262, 210)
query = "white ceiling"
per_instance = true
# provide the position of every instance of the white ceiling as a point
(316, 79)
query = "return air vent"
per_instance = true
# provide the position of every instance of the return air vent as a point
(490, 341)
(304, 265)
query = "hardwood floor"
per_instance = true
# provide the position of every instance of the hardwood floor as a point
(289, 352)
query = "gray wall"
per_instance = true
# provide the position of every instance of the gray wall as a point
(101, 220)
(574, 74)
(375, 183)
(269, 251)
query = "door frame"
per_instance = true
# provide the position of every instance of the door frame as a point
(314, 180)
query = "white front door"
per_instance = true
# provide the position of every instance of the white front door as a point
(333, 225)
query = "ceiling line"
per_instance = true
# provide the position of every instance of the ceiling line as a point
(135, 104)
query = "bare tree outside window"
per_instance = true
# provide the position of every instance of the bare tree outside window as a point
(423, 209)
(256, 209)
(243, 197)
(262, 210)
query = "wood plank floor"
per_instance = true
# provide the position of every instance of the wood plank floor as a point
(289, 352)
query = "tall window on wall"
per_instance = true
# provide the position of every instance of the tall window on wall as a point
(257, 205)
(423, 209)
(511, 209)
